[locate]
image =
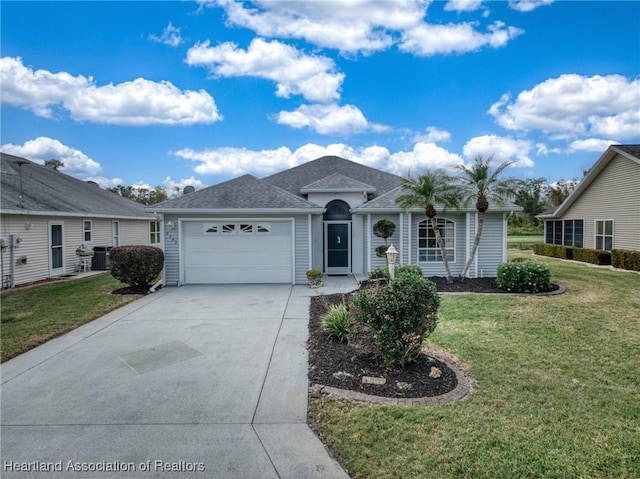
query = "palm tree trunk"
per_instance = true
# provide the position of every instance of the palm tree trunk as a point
(476, 243)
(442, 250)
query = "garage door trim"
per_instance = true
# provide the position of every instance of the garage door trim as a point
(181, 236)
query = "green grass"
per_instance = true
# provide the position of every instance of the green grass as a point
(523, 242)
(556, 391)
(35, 315)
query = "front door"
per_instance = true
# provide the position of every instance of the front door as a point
(56, 249)
(337, 253)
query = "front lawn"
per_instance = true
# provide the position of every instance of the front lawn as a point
(35, 315)
(558, 382)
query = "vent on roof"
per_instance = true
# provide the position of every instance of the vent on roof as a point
(188, 189)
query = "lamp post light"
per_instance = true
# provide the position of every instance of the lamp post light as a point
(392, 254)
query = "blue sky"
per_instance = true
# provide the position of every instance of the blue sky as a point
(175, 93)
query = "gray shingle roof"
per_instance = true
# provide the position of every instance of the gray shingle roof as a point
(45, 190)
(245, 192)
(337, 183)
(633, 150)
(294, 179)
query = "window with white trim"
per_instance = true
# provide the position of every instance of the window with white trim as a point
(428, 249)
(87, 230)
(115, 233)
(604, 235)
(154, 232)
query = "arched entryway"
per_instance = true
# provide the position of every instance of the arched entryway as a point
(337, 238)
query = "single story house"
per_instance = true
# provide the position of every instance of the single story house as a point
(318, 215)
(45, 216)
(603, 212)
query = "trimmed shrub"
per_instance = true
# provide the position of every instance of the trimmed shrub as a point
(625, 259)
(399, 314)
(336, 322)
(383, 273)
(381, 251)
(524, 277)
(136, 265)
(553, 250)
(593, 256)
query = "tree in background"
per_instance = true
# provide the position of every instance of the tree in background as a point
(54, 164)
(141, 195)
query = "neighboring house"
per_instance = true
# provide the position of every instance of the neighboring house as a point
(318, 215)
(603, 212)
(46, 215)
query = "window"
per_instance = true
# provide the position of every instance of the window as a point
(567, 232)
(263, 228)
(86, 231)
(604, 235)
(211, 228)
(115, 233)
(154, 232)
(228, 228)
(428, 249)
(246, 228)
(573, 233)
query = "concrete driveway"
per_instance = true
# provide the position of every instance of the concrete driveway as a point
(198, 381)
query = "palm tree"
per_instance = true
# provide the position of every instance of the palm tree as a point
(478, 183)
(426, 191)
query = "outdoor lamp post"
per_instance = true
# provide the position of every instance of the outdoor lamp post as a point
(392, 254)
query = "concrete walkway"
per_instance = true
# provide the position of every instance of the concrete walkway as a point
(198, 381)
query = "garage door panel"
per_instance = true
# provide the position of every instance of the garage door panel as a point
(237, 257)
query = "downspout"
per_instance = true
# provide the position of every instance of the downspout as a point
(368, 236)
(401, 238)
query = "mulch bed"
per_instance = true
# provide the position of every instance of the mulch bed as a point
(134, 290)
(472, 285)
(332, 363)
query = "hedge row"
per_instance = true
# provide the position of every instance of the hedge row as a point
(626, 259)
(619, 258)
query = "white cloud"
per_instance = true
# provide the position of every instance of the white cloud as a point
(313, 77)
(171, 36)
(591, 144)
(366, 26)
(433, 135)
(41, 149)
(175, 187)
(463, 5)
(574, 105)
(428, 40)
(105, 183)
(135, 103)
(238, 161)
(501, 149)
(328, 119)
(360, 26)
(528, 5)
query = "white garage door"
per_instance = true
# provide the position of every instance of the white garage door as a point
(237, 251)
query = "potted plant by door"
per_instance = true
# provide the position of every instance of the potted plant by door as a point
(314, 276)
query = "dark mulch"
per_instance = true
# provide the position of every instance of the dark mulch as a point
(471, 285)
(332, 363)
(134, 290)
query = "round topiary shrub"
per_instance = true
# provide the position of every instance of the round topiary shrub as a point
(400, 315)
(524, 277)
(136, 265)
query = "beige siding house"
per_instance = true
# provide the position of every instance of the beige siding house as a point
(47, 215)
(604, 210)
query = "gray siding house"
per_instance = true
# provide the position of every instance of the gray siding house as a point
(46, 215)
(318, 215)
(603, 212)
